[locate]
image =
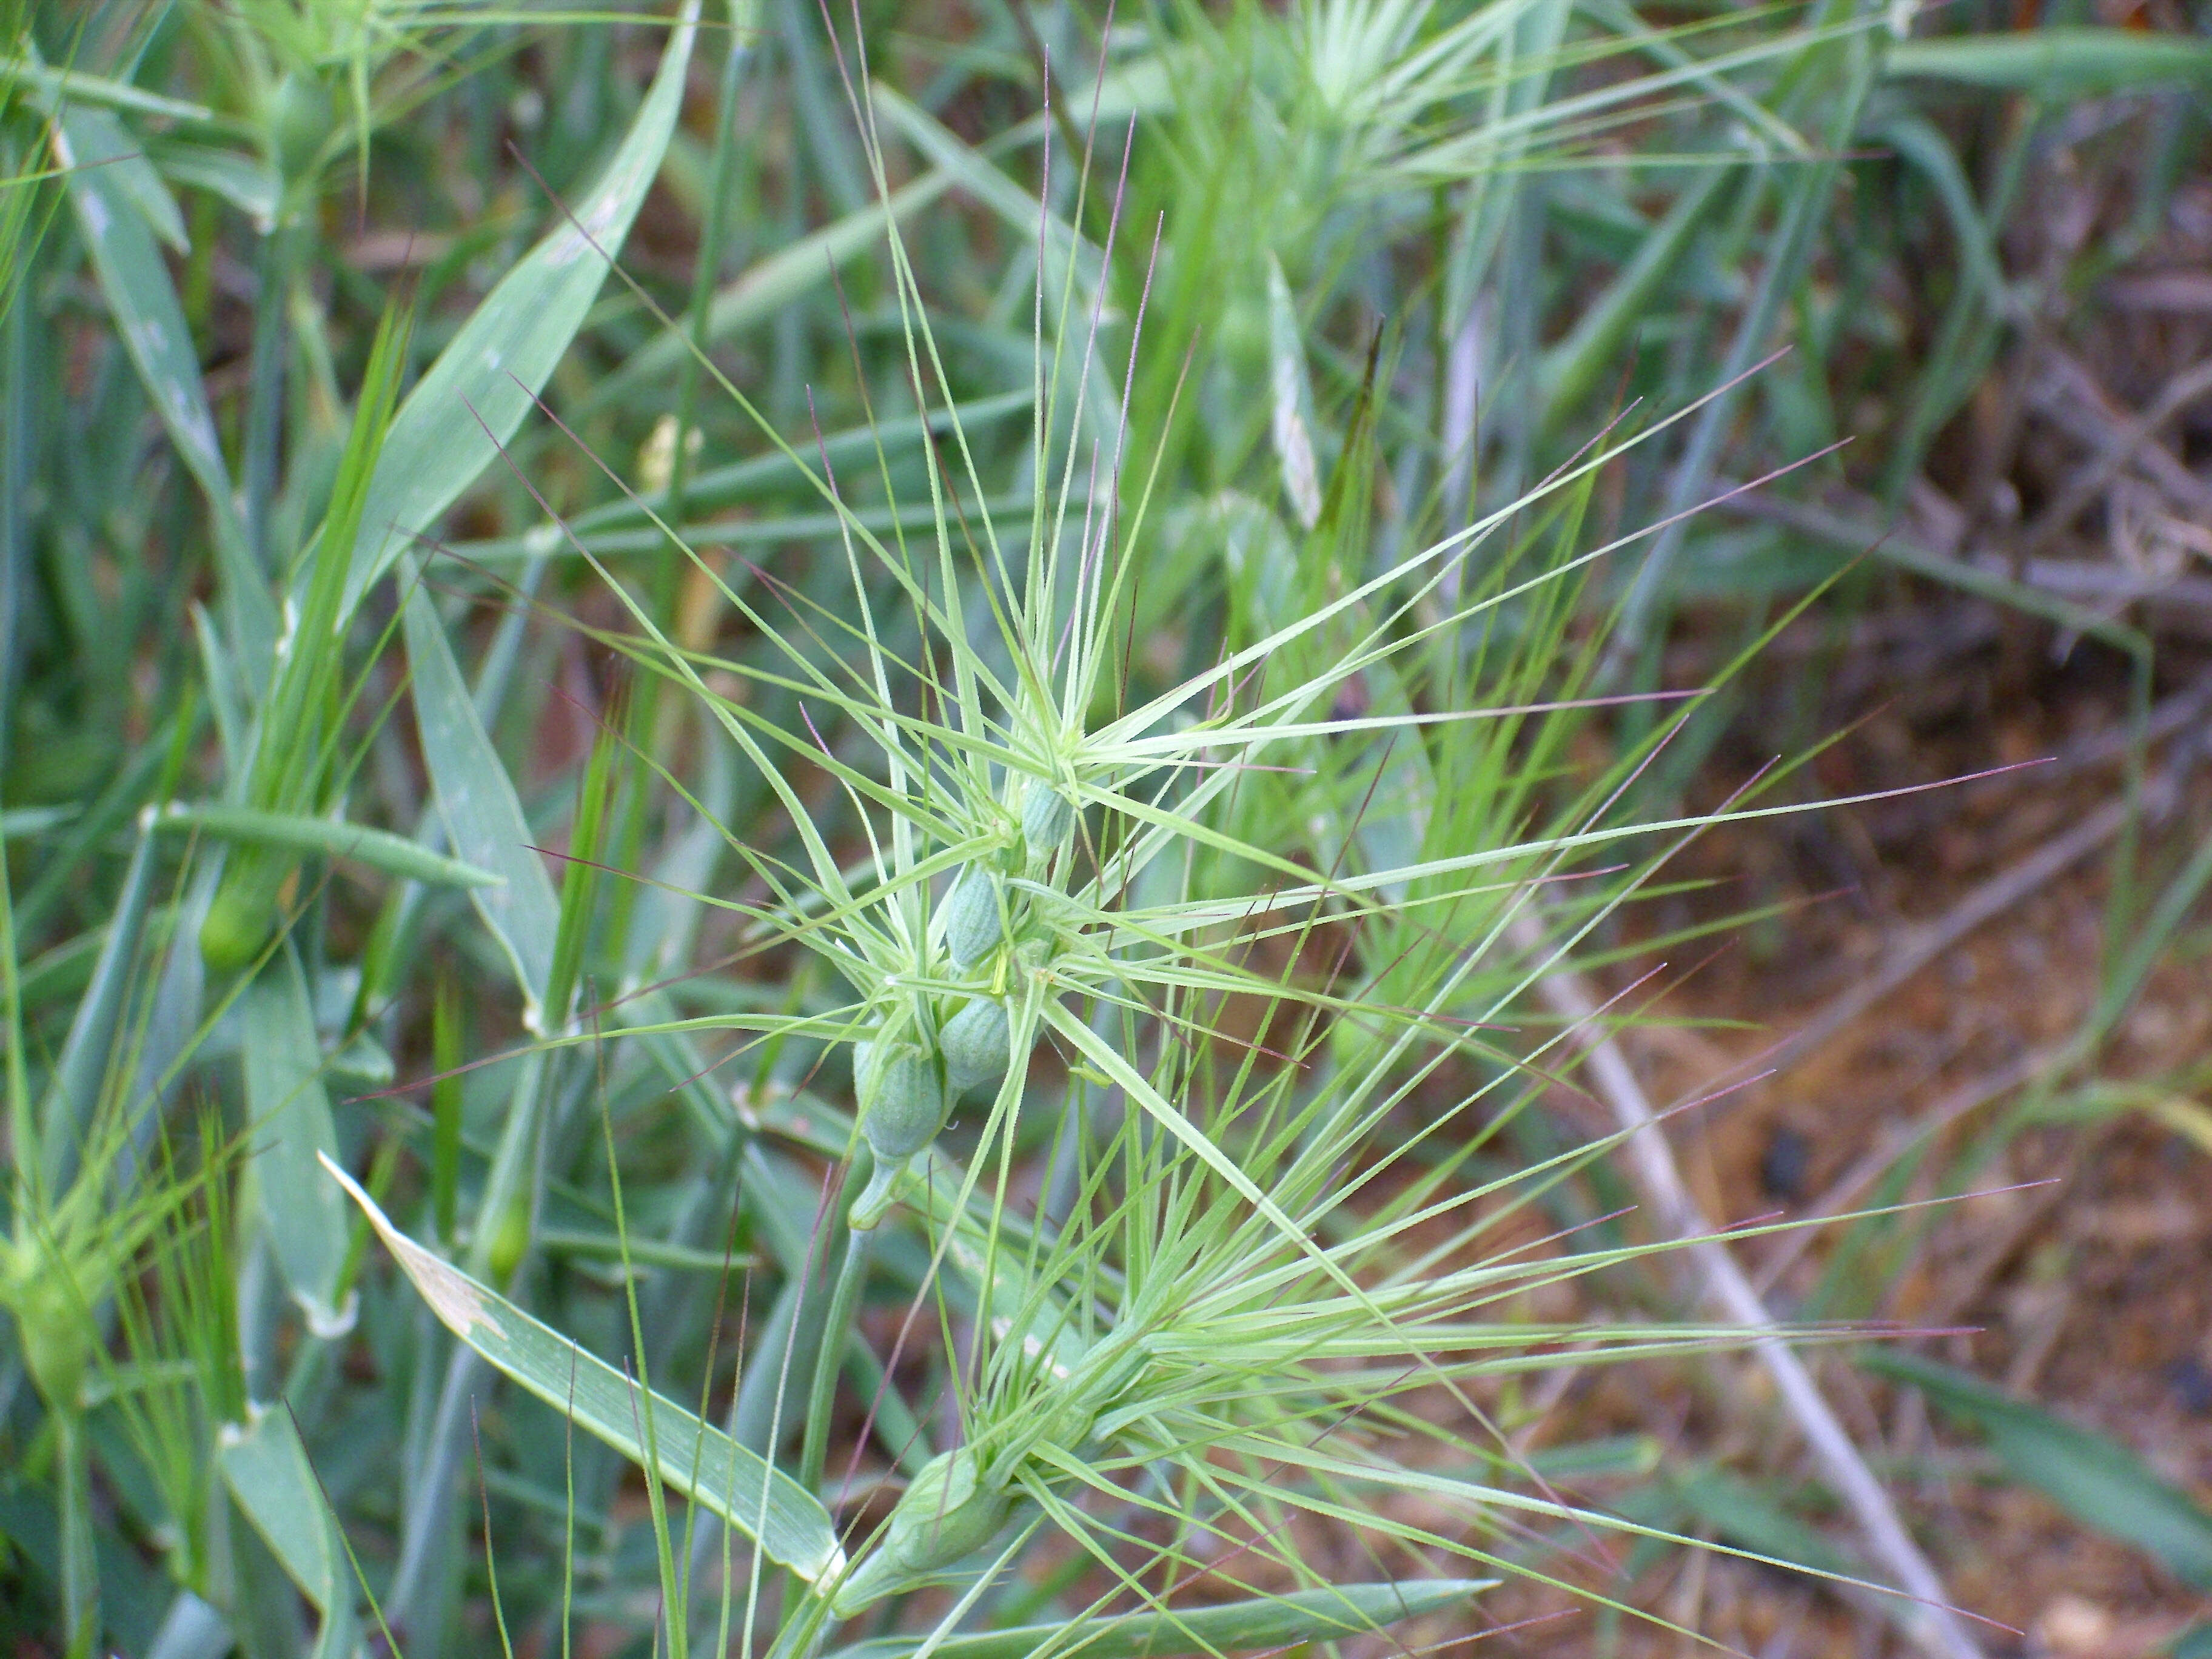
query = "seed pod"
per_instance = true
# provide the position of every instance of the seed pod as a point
(242, 914)
(947, 1512)
(51, 1326)
(1046, 818)
(973, 926)
(1032, 952)
(510, 1239)
(299, 117)
(902, 1093)
(977, 1045)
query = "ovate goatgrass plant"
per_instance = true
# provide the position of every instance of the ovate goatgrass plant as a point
(1228, 971)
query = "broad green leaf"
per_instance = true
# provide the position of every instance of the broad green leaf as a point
(152, 323)
(472, 399)
(1279, 1621)
(695, 1458)
(483, 818)
(268, 1472)
(2097, 1480)
(291, 1130)
(2059, 64)
(379, 849)
(98, 140)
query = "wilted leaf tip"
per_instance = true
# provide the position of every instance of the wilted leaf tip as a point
(452, 1295)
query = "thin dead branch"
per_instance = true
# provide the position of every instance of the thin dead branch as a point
(1935, 1629)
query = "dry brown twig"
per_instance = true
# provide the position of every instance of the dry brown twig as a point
(2120, 447)
(1935, 1628)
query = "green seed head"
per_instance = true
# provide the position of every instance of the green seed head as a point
(1032, 952)
(973, 925)
(52, 1323)
(948, 1512)
(902, 1094)
(510, 1240)
(1046, 819)
(299, 117)
(977, 1045)
(241, 917)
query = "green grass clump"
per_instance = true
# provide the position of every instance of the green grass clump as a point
(898, 862)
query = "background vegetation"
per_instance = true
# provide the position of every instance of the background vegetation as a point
(536, 543)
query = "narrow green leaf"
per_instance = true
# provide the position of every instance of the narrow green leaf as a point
(580, 880)
(446, 1101)
(227, 692)
(483, 818)
(755, 478)
(247, 184)
(379, 849)
(2097, 1480)
(472, 399)
(267, 1470)
(101, 141)
(1747, 1517)
(973, 171)
(73, 1090)
(695, 1459)
(54, 88)
(152, 323)
(2058, 64)
(291, 1130)
(24, 820)
(1567, 371)
(1277, 1621)
(1918, 140)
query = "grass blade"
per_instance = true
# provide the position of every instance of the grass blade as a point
(483, 818)
(1567, 371)
(333, 839)
(789, 274)
(151, 321)
(472, 400)
(2058, 64)
(101, 141)
(292, 1129)
(1275, 1621)
(267, 1470)
(763, 1504)
(379, 849)
(73, 1092)
(2097, 1480)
